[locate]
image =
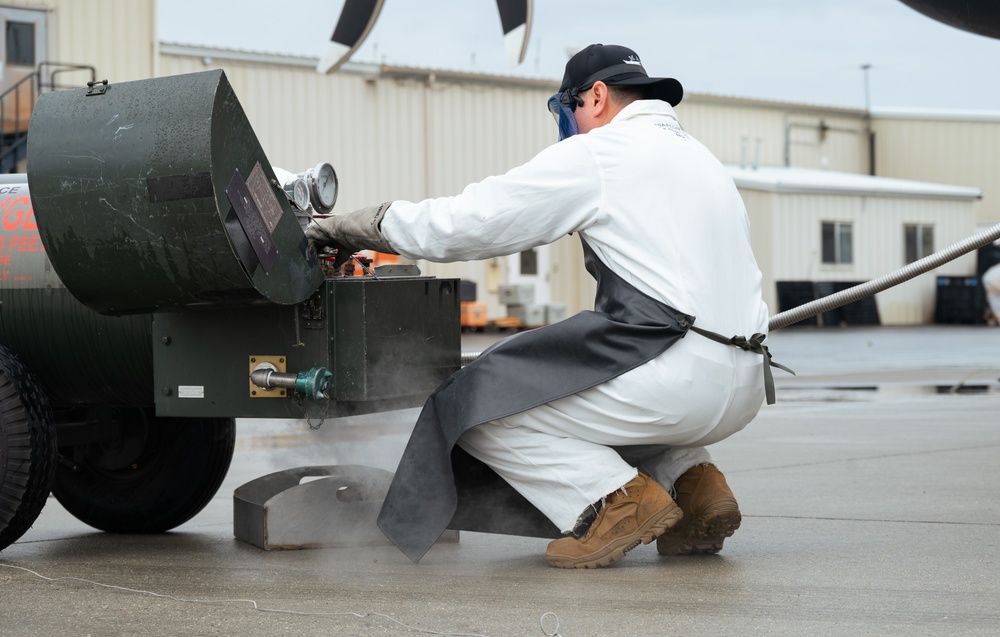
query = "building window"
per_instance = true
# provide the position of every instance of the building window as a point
(837, 242)
(20, 43)
(529, 262)
(919, 241)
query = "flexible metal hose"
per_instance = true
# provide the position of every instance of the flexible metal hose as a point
(869, 288)
(468, 357)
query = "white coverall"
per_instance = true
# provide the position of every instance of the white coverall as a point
(661, 212)
(991, 281)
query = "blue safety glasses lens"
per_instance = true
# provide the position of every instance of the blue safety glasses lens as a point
(563, 114)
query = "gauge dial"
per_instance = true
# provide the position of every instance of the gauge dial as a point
(300, 194)
(324, 187)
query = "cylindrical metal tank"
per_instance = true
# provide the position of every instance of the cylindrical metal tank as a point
(155, 196)
(80, 356)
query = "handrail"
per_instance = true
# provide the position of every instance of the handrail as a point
(15, 89)
(63, 67)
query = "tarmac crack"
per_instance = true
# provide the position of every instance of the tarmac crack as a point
(863, 458)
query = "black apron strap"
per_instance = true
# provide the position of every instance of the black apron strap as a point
(753, 344)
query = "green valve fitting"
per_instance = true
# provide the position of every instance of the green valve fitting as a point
(313, 383)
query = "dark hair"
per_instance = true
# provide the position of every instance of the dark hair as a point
(623, 95)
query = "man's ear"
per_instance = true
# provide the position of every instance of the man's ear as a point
(601, 97)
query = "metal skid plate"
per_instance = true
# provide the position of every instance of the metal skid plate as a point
(286, 510)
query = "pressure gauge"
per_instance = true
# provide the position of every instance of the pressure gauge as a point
(323, 186)
(295, 187)
(297, 191)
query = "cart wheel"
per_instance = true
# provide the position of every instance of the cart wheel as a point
(27, 449)
(160, 474)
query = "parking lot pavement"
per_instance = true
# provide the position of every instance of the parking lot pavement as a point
(869, 495)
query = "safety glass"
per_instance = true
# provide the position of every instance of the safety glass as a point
(562, 105)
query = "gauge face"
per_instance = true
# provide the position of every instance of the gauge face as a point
(300, 194)
(325, 186)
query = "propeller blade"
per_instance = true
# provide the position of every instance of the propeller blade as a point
(515, 18)
(356, 20)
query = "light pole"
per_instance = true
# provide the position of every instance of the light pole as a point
(868, 98)
(868, 121)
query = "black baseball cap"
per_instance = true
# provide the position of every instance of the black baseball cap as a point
(616, 66)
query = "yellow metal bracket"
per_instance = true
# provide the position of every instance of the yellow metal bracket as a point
(276, 363)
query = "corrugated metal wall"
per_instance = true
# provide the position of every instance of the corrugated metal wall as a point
(389, 133)
(914, 148)
(117, 37)
(765, 239)
(747, 132)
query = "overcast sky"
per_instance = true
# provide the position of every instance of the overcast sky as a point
(788, 50)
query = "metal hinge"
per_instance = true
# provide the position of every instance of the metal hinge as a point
(97, 88)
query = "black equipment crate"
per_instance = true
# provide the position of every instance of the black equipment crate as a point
(792, 294)
(467, 291)
(960, 299)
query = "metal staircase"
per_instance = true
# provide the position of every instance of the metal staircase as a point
(17, 102)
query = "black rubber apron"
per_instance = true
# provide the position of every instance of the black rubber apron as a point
(437, 485)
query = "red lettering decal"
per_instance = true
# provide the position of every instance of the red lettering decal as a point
(3, 260)
(25, 243)
(8, 223)
(29, 221)
(17, 208)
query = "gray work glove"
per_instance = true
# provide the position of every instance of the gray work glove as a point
(358, 230)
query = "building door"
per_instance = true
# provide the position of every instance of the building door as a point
(22, 43)
(531, 267)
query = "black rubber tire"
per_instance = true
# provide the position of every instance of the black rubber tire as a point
(27, 449)
(160, 475)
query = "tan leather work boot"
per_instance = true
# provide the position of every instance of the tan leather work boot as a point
(638, 512)
(710, 513)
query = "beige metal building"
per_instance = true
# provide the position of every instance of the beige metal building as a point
(116, 37)
(960, 148)
(407, 133)
(887, 224)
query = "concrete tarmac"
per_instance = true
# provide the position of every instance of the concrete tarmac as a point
(870, 497)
